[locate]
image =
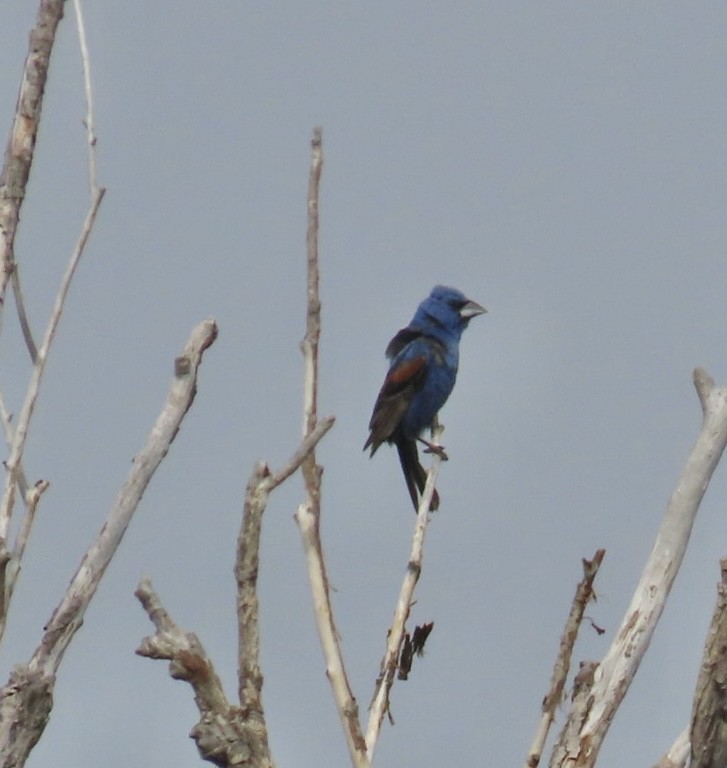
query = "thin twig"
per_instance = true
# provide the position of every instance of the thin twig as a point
(14, 460)
(6, 420)
(88, 91)
(23, 315)
(380, 700)
(584, 594)
(308, 514)
(31, 499)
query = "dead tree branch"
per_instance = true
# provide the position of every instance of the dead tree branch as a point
(584, 594)
(228, 735)
(615, 672)
(261, 484)
(225, 735)
(27, 697)
(678, 753)
(380, 701)
(88, 91)
(20, 148)
(709, 712)
(19, 154)
(14, 477)
(308, 514)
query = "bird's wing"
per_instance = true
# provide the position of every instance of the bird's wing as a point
(403, 337)
(402, 381)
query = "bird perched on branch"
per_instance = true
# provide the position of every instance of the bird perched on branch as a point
(424, 359)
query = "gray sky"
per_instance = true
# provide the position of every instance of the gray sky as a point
(565, 164)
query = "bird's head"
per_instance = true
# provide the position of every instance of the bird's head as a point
(448, 309)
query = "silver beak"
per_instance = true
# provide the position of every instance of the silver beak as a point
(471, 309)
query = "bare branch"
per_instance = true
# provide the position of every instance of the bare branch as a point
(190, 662)
(21, 142)
(709, 728)
(31, 497)
(380, 701)
(31, 685)
(584, 594)
(18, 158)
(88, 91)
(68, 615)
(704, 384)
(678, 753)
(13, 463)
(703, 745)
(617, 669)
(6, 420)
(23, 316)
(313, 317)
(580, 704)
(308, 522)
(261, 483)
(308, 514)
(228, 735)
(224, 735)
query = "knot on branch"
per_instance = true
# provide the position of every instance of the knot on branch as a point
(230, 740)
(26, 702)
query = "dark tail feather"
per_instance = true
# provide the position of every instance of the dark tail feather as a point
(414, 473)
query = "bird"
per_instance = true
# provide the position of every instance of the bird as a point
(424, 358)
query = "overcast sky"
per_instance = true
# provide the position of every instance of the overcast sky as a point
(563, 163)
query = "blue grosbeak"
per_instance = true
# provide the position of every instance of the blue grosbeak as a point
(424, 358)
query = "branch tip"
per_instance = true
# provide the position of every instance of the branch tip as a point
(704, 384)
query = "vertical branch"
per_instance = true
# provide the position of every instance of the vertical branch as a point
(261, 484)
(250, 679)
(380, 701)
(709, 726)
(313, 315)
(308, 514)
(20, 148)
(88, 91)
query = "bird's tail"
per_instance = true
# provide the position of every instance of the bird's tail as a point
(414, 473)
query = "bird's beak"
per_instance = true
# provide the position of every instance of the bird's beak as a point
(471, 309)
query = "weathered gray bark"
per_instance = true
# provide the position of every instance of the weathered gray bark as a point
(709, 712)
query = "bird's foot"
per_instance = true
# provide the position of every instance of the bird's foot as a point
(438, 450)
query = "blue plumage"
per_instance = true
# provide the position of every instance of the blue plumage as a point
(424, 360)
